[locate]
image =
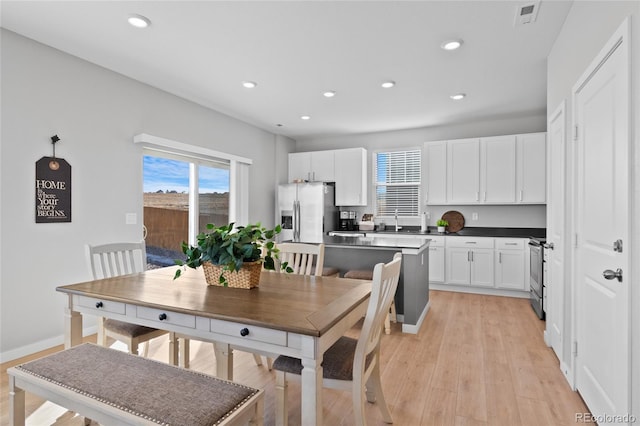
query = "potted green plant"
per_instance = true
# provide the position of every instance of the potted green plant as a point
(442, 224)
(232, 256)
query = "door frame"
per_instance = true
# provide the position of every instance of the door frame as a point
(620, 39)
(559, 115)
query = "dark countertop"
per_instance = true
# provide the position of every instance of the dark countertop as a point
(373, 242)
(469, 232)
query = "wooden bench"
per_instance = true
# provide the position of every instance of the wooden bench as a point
(116, 388)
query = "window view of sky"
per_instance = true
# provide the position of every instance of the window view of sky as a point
(162, 174)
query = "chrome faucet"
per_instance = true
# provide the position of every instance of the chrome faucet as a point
(396, 217)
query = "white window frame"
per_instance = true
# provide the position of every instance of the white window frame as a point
(197, 155)
(375, 182)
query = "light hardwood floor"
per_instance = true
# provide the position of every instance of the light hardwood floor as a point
(478, 360)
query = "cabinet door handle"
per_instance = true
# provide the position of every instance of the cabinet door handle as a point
(468, 256)
(510, 244)
(472, 256)
(314, 176)
(521, 191)
(471, 242)
(500, 257)
(485, 195)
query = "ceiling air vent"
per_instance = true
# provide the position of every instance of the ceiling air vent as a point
(527, 13)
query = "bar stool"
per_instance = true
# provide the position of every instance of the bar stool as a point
(330, 271)
(367, 274)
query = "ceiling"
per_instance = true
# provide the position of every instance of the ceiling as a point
(296, 50)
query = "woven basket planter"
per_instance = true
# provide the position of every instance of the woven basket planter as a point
(247, 277)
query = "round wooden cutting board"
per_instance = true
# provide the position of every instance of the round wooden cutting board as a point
(455, 219)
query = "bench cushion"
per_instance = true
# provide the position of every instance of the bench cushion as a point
(155, 391)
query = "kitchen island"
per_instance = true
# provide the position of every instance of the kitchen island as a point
(412, 296)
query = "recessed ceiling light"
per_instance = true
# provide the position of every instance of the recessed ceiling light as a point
(451, 44)
(458, 96)
(249, 84)
(138, 21)
(388, 84)
(329, 94)
(305, 117)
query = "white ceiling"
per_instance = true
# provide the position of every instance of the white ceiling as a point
(296, 50)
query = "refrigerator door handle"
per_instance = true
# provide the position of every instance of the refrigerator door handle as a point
(296, 220)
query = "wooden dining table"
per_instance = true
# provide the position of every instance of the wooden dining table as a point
(287, 314)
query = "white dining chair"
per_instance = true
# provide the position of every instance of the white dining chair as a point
(301, 258)
(351, 364)
(111, 260)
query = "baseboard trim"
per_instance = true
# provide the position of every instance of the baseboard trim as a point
(480, 290)
(568, 375)
(414, 329)
(41, 345)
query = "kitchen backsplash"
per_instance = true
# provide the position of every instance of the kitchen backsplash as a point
(524, 216)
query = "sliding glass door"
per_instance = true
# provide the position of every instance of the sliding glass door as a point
(171, 215)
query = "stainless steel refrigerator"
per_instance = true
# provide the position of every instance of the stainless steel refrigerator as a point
(307, 211)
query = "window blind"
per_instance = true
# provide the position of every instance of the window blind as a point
(397, 179)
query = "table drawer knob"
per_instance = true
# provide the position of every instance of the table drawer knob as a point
(244, 332)
(99, 305)
(162, 316)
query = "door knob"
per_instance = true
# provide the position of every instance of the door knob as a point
(549, 246)
(609, 274)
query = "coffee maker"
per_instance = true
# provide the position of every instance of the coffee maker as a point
(347, 221)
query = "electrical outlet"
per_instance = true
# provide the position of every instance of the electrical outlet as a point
(474, 216)
(131, 219)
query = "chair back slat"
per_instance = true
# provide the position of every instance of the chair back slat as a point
(383, 290)
(111, 260)
(304, 259)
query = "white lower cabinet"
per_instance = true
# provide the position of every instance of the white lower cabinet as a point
(469, 261)
(482, 267)
(493, 264)
(436, 260)
(510, 263)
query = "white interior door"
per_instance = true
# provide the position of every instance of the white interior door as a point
(555, 279)
(601, 107)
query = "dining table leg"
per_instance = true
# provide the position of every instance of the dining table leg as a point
(311, 390)
(72, 325)
(224, 360)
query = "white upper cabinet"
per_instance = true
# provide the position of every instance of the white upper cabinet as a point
(498, 169)
(463, 171)
(491, 170)
(351, 177)
(299, 166)
(312, 166)
(532, 172)
(435, 172)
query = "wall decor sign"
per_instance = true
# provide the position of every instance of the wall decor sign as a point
(53, 189)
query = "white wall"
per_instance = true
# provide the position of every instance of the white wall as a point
(490, 216)
(96, 113)
(588, 26)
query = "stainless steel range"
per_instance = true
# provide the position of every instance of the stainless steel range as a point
(536, 276)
